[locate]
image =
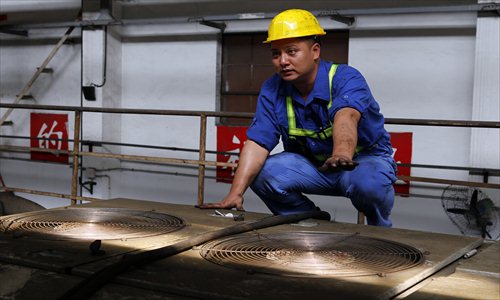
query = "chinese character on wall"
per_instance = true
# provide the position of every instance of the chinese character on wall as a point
(232, 139)
(229, 139)
(49, 131)
(402, 147)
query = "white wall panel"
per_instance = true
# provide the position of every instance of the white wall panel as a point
(172, 75)
(18, 63)
(422, 73)
(176, 75)
(422, 77)
(485, 143)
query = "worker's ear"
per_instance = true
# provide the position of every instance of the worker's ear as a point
(316, 49)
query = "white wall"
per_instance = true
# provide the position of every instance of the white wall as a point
(422, 71)
(172, 74)
(18, 61)
(417, 66)
(485, 143)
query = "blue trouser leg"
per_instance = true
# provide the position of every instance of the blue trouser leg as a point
(285, 177)
(369, 186)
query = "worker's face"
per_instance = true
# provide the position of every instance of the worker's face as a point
(295, 59)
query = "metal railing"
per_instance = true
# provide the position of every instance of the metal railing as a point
(201, 162)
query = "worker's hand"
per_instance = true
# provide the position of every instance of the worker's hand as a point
(229, 202)
(338, 163)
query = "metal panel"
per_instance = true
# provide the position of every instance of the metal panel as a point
(475, 278)
(189, 275)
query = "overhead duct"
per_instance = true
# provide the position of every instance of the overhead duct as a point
(89, 88)
(92, 43)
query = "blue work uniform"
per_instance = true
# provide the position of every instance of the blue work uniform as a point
(287, 176)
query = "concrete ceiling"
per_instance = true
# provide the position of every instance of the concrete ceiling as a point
(131, 9)
(47, 11)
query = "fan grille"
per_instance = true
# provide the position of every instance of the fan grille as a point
(90, 223)
(479, 219)
(312, 254)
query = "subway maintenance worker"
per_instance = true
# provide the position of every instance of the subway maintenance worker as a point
(330, 125)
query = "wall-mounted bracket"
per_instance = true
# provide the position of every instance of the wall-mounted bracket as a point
(14, 31)
(46, 70)
(7, 123)
(26, 97)
(221, 26)
(88, 185)
(336, 16)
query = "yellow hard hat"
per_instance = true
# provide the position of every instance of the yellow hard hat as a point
(293, 23)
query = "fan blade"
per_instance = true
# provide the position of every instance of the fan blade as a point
(459, 211)
(473, 199)
(485, 233)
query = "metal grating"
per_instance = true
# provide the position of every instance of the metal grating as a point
(90, 223)
(312, 254)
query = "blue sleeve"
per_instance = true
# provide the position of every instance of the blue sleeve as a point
(264, 129)
(349, 90)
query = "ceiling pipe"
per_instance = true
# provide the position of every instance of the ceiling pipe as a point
(89, 91)
(92, 11)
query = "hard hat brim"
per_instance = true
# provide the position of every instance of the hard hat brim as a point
(291, 37)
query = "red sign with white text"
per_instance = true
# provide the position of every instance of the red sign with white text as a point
(229, 139)
(402, 147)
(49, 131)
(232, 139)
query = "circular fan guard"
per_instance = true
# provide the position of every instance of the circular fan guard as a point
(90, 223)
(472, 211)
(311, 254)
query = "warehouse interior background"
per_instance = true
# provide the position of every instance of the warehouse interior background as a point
(423, 60)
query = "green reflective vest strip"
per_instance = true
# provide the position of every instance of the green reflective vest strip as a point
(292, 127)
(325, 133)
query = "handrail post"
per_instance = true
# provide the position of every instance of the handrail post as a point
(361, 218)
(76, 147)
(201, 166)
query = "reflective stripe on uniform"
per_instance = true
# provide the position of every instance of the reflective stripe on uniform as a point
(292, 127)
(324, 134)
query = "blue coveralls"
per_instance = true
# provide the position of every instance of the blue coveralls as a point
(287, 176)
